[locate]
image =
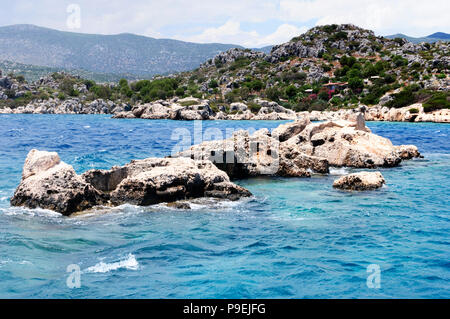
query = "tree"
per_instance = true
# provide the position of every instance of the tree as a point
(257, 85)
(355, 83)
(123, 82)
(213, 84)
(291, 91)
(273, 94)
(347, 61)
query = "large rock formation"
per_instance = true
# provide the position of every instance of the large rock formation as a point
(351, 144)
(244, 155)
(49, 183)
(154, 180)
(295, 149)
(360, 181)
(300, 148)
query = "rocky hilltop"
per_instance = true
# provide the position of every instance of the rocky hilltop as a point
(297, 149)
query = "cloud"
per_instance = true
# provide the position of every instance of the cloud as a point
(231, 32)
(383, 16)
(265, 21)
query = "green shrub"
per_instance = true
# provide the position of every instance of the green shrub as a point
(254, 107)
(273, 94)
(101, 91)
(20, 78)
(324, 95)
(180, 91)
(43, 96)
(318, 105)
(291, 91)
(399, 61)
(413, 110)
(404, 98)
(336, 100)
(329, 28)
(213, 84)
(10, 93)
(89, 84)
(355, 83)
(439, 100)
(347, 61)
(389, 78)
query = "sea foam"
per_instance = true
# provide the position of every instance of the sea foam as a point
(129, 262)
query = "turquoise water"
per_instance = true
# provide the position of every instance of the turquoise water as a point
(297, 238)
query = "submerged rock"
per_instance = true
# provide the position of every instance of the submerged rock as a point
(51, 184)
(360, 181)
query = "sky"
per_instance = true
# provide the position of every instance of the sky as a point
(250, 23)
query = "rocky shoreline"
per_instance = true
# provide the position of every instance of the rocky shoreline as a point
(296, 149)
(190, 108)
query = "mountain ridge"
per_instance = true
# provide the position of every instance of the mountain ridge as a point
(437, 36)
(122, 53)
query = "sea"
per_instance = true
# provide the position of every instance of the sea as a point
(295, 238)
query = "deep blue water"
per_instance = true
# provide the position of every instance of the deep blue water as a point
(298, 238)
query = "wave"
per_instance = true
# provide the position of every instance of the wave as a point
(339, 170)
(23, 211)
(128, 262)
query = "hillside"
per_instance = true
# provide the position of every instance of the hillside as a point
(34, 72)
(296, 74)
(120, 54)
(327, 68)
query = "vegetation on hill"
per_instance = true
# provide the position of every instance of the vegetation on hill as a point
(34, 72)
(328, 67)
(295, 74)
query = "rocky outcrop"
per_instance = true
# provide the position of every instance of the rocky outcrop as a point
(69, 106)
(407, 152)
(187, 109)
(314, 43)
(246, 155)
(288, 130)
(412, 113)
(232, 55)
(343, 144)
(360, 181)
(296, 149)
(49, 183)
(190, 109)
(301, 148)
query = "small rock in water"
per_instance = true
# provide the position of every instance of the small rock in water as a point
(360, 181)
